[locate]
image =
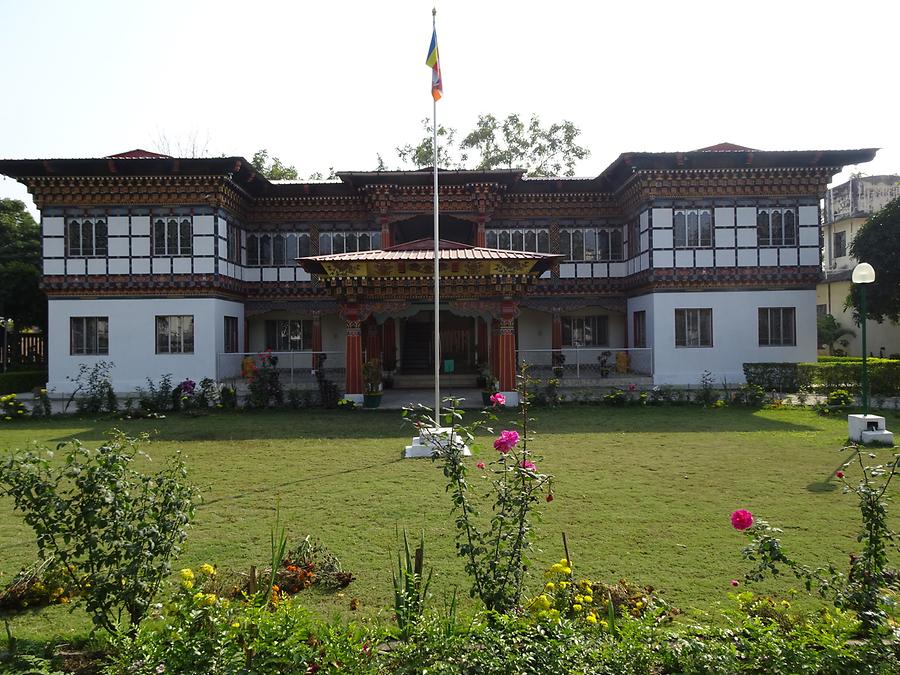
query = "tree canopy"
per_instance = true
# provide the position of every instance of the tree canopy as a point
(272, 168)
(510, 143)
(878, 243)
(829, 331)
(21, 298)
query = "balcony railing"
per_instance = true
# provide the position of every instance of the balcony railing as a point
(589, 363)
(294, 367)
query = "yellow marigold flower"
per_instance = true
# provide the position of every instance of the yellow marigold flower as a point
(553, 614)
(187, 574)
(564, 562)
(198, 597)
(557, 568)
(187, 585)
(209, 599)
(638, 604)
(603, 623)
(207, 569)
(236, 624)
(591, 618)
(579, 598)
(64, 600)
(563, 584)
(576, 607)
(567, 570)
(550, 586)
(588, 599)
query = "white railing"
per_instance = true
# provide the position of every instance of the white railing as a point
(589, 362)
(296, 366)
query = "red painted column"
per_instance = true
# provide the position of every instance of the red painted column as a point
(507, 347)
(385, 232)
(373, 339)
(479, 232)
(495, 348)
(389, 345)
(556, 339)
(316, 340)
(353, 355)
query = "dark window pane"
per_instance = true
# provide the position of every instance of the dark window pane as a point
(490, 239)
(762, 228)
(303, 246)
(543, 242)
(325, 243)
(265, 249)
(777, 236)
(185, 247)
(530, 241)
(87, 237)
(680, 229)
(577, 245)
(790, 228)
(503, 240)
(100, 238)
(278, 250)
(159, 237)
(74, 237)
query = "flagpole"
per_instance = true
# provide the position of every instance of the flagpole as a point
(437, 285)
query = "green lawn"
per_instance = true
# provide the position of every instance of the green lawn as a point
(642, 493)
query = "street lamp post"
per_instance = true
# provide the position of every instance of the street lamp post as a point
(864, 274)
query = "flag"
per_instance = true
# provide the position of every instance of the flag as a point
(434, 62)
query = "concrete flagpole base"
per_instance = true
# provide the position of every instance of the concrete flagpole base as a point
(868, 429)
(430, 440)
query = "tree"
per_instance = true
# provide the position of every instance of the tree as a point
(878, 243)
(21, 298)
(274, 169)
(510, 143)
(829, 331)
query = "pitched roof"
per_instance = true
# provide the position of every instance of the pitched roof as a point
(726, 147)
(137, 153)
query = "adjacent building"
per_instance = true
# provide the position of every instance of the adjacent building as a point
(662, 267)
(847, 208)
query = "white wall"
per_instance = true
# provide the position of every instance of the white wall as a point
(132, 339)
(735, 332)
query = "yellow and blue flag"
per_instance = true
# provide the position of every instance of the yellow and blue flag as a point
(434, 62)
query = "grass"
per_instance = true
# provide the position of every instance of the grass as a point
(642, 494)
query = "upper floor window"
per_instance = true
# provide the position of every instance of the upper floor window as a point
(693, 328)
(175, 334)
(89, 335)
(348, 242)
(533, 240)
(591, 244)
(693, 228)
(776, 227)
(777, 327)
(840, 244)
(172, 235)
(278, 249)
(232, 243)
(585, 331)
(87, 237)
(289, 335)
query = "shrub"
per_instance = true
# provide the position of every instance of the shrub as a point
(264, 383)
(616, 398)
(93, 390)
(40, 406)
(706, 395)
(157, 398)
(750, 395)
(19, 381)
(112, 528)
(828, 373)
(840, 398)
(11, 408)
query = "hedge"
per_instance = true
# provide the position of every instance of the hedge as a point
(884, 376)
(19, 381)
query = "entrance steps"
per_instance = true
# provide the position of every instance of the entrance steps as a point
(426, 380)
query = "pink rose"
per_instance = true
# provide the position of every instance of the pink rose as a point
(735, 582)
(527, 464)
(498, 399)
(839, 474)
(632, 387)
(505, 442)
(549, 497)
(741, 519)
(480, 465)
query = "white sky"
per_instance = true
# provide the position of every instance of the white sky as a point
(324, 84)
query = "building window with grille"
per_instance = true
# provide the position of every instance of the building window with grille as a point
(840, 244)
(231, 334)
(693, 328)
(585, 331)
(693, 228)
(87, 237)
(639, 321)
(175, 334)
(777, 327)
(233, 243)
(776, 227)
(591, 244)
(348, 242)
(89, 335)
(173, 236)
(289, 335)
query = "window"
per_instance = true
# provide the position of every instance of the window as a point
(231, 334)
(175, 335)
(640, 329)
(591, 244)
(172, 236)
(840, 244)
(585, 331)
(692, 228)
(821, 310)
(233, 243)
(531, 240)
(777, 327)
(87, 237)
(347, 242)
(289, 335)
(776, 227)
(278, 250)
(693, 328)
(89, 335)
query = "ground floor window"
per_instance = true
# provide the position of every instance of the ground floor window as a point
(289, 335)
(640, 329)
(89, 335)
(777, 327)
(231, 334)
(693, 328)
(585, 331)
(175, 334)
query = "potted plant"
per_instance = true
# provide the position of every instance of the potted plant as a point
(491, 387)
(372, 383)
(604, 363)
(559, 364)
